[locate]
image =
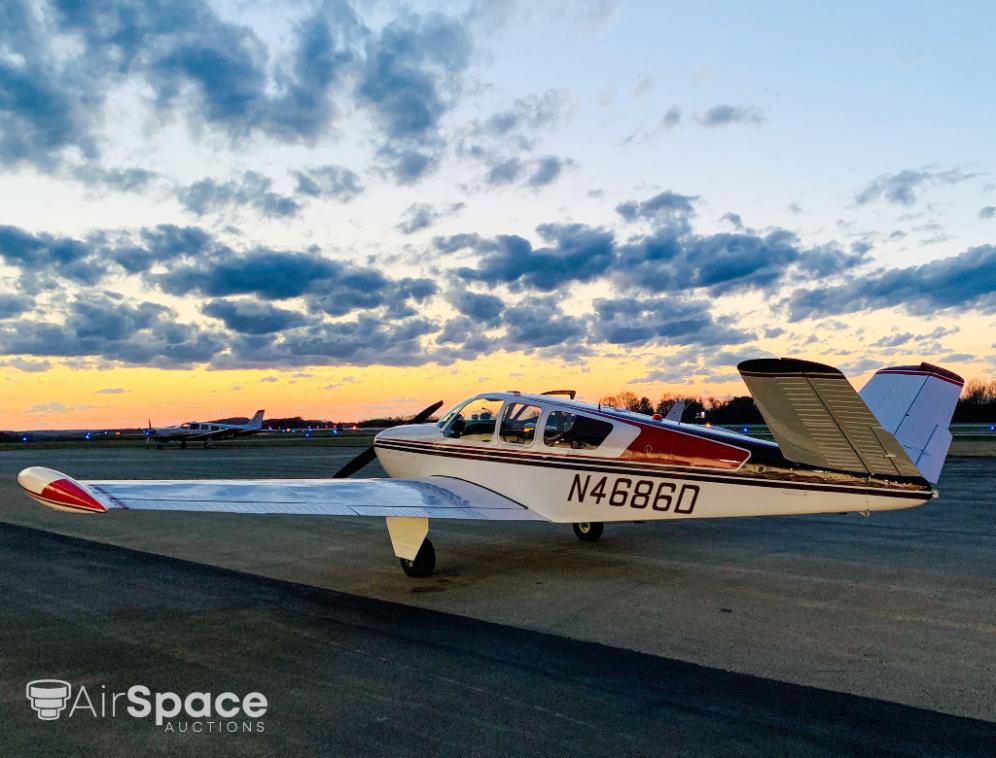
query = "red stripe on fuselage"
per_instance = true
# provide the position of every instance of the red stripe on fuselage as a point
(671, 448)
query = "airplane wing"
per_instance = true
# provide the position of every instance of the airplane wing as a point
(433, 497)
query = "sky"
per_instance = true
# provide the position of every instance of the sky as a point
(341, 210)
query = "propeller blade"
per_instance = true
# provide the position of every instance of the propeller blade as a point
(368, 455)
(356, 464)
(424, 415)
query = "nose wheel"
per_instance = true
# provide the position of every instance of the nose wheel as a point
(423, 564)
(589, 531)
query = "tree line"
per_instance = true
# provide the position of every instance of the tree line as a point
(977, 404)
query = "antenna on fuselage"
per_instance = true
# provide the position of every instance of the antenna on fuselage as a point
(571, 393)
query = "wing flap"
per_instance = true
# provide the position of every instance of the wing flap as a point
(434, 497)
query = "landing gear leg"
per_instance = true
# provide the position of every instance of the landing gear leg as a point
(409, 537)
(589, 531)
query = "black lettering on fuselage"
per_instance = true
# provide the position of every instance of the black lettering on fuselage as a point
(635, 493)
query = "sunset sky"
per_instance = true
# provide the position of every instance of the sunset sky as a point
(343, 210)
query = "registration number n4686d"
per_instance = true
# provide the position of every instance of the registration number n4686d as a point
(634, 493)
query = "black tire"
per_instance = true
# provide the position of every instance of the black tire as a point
(589, 531)
(424, 563)
(183, 444)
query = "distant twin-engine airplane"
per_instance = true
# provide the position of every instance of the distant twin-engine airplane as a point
(203, 431)
(508, 456)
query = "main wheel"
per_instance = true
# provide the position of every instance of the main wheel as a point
(589, 531)
(183, 444)
(424, 563)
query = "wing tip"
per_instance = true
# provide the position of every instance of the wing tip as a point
(54, 489)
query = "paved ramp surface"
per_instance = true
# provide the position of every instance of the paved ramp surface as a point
(346, 675)
(899, 607)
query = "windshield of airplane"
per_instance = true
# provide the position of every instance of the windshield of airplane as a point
(473, 419)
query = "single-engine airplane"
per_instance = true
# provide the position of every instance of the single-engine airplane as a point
(203, 431)
(510, 456)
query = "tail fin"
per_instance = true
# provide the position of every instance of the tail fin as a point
(256, 422)
(915, 404)
(818, 419)
(676, 412)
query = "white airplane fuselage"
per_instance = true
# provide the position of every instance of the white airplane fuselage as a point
(632, 476)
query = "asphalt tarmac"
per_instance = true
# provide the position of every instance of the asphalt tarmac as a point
(804, 635)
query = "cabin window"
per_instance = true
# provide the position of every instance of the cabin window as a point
(566, 429)
(518, 424)
(476, 420)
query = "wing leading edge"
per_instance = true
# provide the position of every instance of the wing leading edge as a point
(434, 497)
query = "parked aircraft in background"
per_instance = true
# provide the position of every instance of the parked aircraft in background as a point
(203, 431)
(509, 456)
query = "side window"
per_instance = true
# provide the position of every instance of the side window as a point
(565, 429)
(518, 424)
(476, 421)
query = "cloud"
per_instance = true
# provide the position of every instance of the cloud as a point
(667, 261)
(164, 244)
(255, 190)
(112, 391)
(331, 181)
(666, 206)
(988, 212)
(671, 118)
(539, 322)
(963, 282)
(484, 310)
(45, 108)
(504, 172)
(901, 188)
(548, 169)
(734, 220)
(270, 274)
(28, 366)
(47, 255)
(52, 407)
(504, 142)
(671, 258)
(665, 320)
(457, 242)
(249, 317)
(131, 179)
(724, 115)
(108, 327)
(552, 108)
(409, 80)
(14, 305)
(574, 252)
(252, 189)
(221, 77)
(418, 216)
